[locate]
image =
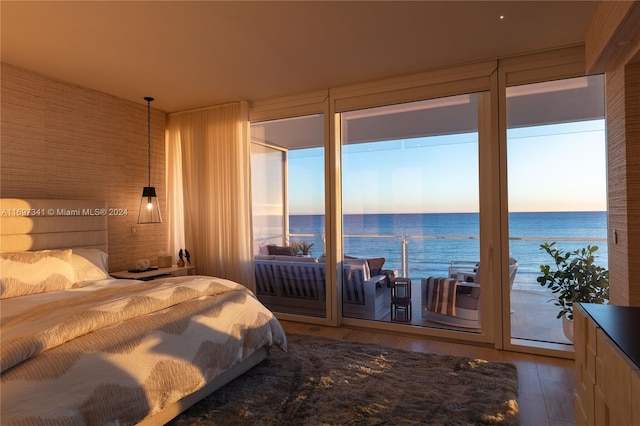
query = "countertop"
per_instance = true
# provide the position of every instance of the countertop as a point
(621, 324)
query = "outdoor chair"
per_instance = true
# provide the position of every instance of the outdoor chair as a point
(455, 300)
(363, 295)
(469, 271)
(297, 284)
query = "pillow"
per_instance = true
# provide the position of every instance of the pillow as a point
(264, 257)
(296, 259)
(281, 250)
(375, 265)
(33, 272)
(357, 264)
(89, 264)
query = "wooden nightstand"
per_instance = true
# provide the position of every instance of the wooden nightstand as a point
(171, 271)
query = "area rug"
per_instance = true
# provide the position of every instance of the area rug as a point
(321, 381)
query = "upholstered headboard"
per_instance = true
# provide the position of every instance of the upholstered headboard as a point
(39, 224)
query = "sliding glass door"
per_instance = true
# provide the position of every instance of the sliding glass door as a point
(556, 153)
(410, 200)
(287, 167)
(435, 192)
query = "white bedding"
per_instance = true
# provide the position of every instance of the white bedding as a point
(117, 351)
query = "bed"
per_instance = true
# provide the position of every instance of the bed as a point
(80, 347)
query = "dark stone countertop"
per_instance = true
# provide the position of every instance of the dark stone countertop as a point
(621, 324)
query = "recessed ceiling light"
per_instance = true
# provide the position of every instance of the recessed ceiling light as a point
(501, 17)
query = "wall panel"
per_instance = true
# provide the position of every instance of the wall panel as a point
(632, 137)
(623, 141)
(60, 140)
(617, 189)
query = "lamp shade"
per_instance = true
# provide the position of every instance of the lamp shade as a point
(149, 206)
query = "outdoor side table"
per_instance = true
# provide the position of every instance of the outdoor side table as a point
(401, 299)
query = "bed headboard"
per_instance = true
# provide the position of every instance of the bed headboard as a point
(39, 224)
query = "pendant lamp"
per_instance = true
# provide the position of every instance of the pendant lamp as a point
(149, 207)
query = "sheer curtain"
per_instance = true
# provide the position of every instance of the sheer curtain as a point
(209, 199)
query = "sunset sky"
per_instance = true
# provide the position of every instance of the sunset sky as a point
(559, 167)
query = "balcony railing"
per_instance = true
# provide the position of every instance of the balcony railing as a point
(414, 256)
(532, 316)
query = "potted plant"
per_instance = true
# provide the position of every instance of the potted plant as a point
(574, 278)
(302, 248)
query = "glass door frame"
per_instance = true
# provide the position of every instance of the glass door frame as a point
(535, 68)
(478, 78)
(292, 107)
(491, 76)
(285, 192)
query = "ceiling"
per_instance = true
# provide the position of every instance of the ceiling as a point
(195, 54)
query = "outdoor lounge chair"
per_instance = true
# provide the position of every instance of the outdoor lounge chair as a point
(291, 284)
(469, 271)
(455, 300)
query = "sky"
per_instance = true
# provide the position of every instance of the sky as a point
(559, 167)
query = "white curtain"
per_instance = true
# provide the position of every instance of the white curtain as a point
(209, 198)
(175, 205)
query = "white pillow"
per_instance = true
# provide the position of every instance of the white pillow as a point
(296, 259)
(89, 264)
(357, 264)
(32, 272)
(264, 257)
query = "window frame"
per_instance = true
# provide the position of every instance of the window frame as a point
(488, 76)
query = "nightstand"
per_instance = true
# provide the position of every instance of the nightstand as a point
(171, 271)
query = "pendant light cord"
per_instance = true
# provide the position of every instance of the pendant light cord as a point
(148, 99)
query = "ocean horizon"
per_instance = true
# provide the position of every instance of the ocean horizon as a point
(433, 240)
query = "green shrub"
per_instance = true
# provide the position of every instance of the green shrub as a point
(574, 278)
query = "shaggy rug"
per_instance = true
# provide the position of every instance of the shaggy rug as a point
(321, 381)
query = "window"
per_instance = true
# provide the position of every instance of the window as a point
(287, 167)
(410, 196)
(556, 145)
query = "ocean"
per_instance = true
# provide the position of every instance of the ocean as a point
(433, 240)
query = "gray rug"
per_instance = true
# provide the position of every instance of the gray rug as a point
(321, 381)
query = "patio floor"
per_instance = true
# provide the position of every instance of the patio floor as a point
(533, 316)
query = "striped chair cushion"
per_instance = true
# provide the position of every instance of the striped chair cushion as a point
(353, 285)
(300, 279)
(265, 284)
(442, 293)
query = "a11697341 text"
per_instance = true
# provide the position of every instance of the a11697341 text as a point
(41, 212)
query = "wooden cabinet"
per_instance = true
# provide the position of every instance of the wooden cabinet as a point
(607, 372)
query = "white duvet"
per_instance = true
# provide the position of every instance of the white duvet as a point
(117, 351)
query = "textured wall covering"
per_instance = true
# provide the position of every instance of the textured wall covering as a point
(60, 140)
(623, 139)
(617, 189)
(632, 96)
(613, 47)
(612, 36)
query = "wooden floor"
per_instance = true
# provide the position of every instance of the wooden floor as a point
(546, 385)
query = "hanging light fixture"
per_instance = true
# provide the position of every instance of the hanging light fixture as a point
(149, 207)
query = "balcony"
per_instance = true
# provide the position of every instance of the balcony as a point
(533, 313)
